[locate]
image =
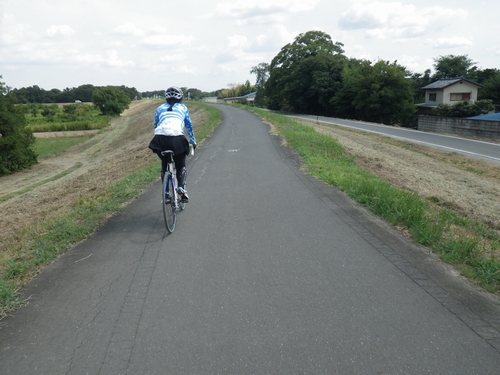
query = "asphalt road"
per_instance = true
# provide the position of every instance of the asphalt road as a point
(268, 271)
(488, 151)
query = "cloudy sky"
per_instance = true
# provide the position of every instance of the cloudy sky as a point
(212, 44)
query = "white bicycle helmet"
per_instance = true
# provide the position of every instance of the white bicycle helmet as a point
(174, 92)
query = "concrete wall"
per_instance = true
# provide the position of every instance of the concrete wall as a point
(210, 99)
(458, 125)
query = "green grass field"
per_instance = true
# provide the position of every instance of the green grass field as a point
(49, 147)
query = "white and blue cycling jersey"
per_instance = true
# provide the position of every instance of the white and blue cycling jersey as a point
(173, 122)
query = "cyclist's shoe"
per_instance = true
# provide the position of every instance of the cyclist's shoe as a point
(183, 194)
(167, 198)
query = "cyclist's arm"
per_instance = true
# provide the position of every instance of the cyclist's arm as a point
(157, 118)
(189, 126)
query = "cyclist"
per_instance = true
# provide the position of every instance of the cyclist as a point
(171, 119)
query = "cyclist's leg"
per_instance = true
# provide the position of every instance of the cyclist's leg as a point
(180, 169)
(164, 162)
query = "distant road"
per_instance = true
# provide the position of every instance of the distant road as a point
(479, 149)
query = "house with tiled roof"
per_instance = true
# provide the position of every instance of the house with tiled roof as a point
(448, 91)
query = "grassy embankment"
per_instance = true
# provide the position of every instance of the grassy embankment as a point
(38, 248)
(471, 246)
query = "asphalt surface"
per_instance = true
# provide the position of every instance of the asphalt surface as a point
(488, 151)
(268, 271)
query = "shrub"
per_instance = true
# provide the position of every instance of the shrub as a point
(110, 100)
(464, 109)
(16, 140)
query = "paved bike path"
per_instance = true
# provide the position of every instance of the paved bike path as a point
(268, 271)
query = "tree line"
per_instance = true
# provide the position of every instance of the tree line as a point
(312, 75)
(83, 93)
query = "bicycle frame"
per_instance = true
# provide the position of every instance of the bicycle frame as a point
(169, 184)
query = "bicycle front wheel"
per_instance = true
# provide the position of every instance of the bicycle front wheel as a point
(169, 212)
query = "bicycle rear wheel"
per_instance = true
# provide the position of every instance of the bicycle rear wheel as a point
(169, 212)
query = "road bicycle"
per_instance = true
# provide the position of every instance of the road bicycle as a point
(171, 200)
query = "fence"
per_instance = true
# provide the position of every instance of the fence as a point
(458, 125)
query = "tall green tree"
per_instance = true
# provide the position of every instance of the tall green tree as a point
(491, 89)
(377, 93)
(82, 93)
(490, 79)
(342, 102)
(131, 92)
(452, 66)
(418, 81)
(16, 140)
(303, 74)
(192, 93)
(32, 94)
(261, 72)
(110, 100)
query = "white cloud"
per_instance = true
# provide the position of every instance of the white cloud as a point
(185, 69)
(361, 16)
(221, 40)
(159, 30)
(238, 41)
(178, 58)
(397, 20)
(441, 13)
(272, 40)
(164, 41)
(225, 57)
(177, 64)
(90, 59)
(271, 11)
(14, 33)
(452, 42)
(114, 43)
(60, 30)
(111, 59)
(128, 29)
